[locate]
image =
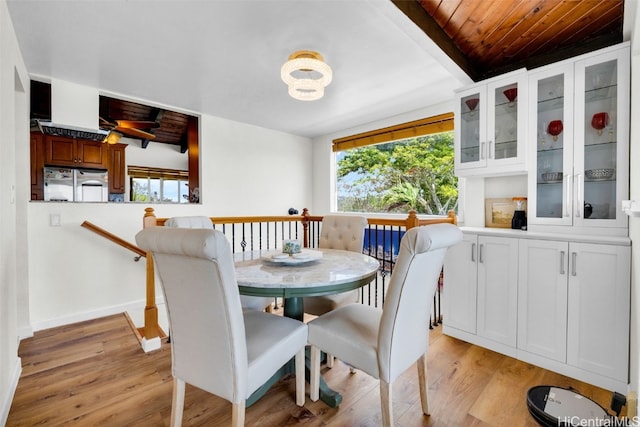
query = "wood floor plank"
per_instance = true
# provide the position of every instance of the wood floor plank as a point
(95, 374)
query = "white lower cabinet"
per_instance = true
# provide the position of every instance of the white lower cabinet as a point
(480, 294)
(542, 298)
(497, 289)
(562, 305)
(460, 268)
(599, 307)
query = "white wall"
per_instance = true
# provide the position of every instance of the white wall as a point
(75, 274)
(13, 143)
(632, 15)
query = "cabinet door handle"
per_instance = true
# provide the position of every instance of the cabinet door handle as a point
(480, 254)
(562, 263)
(574, 257)
(567, 199)
(473, 252)
(579, 205)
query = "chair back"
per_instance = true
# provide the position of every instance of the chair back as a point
(404, 327)
(208, 343)
(344, 232)
(189, 222)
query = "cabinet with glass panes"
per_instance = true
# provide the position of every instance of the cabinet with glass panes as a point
(579, 141)
(490, 123)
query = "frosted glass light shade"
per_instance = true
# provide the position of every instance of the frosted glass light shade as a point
(306, 75)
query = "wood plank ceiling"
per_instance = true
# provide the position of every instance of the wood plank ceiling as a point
(487, 38)
(172, 127)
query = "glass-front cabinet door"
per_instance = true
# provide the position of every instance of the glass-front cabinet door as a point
(580, 125)
(491, 127)
(551, 136)
(602, 127)
(471, 125)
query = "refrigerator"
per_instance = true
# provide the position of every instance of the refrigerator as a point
(75, 185)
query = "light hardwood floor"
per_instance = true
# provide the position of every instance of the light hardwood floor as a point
(95, 374)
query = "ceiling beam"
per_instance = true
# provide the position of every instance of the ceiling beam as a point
(430, 27)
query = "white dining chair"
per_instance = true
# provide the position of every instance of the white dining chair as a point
(386, 342)
(345, 232)
(248, 302)
(216, 345)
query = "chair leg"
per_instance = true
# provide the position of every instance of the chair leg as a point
(237, 413)
(385, 404)
(177, 404)
(300, 380)
(424, 385)
(330, 360)
(314, 379)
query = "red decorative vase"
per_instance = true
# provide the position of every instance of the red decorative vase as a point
(555, 128)
(472, 103)
(511, 94)
(600, 121)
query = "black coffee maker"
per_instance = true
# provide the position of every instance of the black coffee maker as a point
(519, 220)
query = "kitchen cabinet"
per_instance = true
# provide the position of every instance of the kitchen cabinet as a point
(117, 165)
(461, 278)
(573, 304)
(491, 127)
(62, 151)
(562, 304)
(497, 289)
(36, 157)
(579, 137)
(598, 310)
(480, 289)
(542, 297)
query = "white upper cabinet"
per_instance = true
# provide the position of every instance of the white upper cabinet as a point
(579, 141)
(490, 127)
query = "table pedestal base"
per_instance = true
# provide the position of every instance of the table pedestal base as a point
(293, 308)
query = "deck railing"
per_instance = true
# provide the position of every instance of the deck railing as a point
(248, 233)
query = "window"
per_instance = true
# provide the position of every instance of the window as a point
(158, 185)
(409, 166)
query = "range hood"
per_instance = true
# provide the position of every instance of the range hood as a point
(50, 128)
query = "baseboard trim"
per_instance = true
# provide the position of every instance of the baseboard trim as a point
(92, 314)
(13, 385)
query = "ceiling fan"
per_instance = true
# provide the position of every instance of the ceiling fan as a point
(137, 129)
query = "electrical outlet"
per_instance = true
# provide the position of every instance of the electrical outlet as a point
(54, 220)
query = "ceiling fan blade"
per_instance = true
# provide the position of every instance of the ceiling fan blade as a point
(138, 124)
(135, 133)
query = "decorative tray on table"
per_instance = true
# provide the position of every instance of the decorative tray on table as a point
(286, 259)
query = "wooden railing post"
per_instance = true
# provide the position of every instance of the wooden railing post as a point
(305, 227)
(149, 218)
(151, 330)
(412, 220)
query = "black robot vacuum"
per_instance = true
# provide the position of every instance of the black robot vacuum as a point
(554, 406)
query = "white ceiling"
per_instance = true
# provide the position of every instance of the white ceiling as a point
(223, 58)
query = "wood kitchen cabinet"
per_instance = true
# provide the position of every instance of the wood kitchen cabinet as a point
(117, 173)
(62, 151)
(37, 166)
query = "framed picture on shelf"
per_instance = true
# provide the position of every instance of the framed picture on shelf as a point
(498, 212)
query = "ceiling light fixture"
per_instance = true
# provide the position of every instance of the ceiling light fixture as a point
(113, 137)
(306, 74)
